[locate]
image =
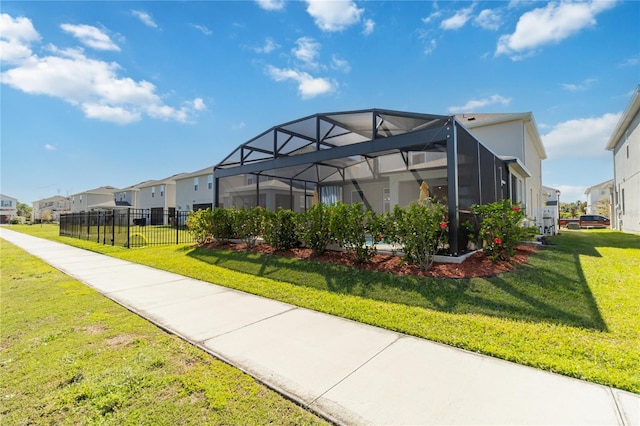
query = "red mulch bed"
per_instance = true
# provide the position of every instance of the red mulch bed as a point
(476, 265)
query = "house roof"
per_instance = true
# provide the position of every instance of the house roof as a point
(201, 172)
(266, 185)
(7, 197)
(134, 187)
(168, 180)
(603, 185)
(473, 120)
(625, 121)
(103, 190)
(54, 198)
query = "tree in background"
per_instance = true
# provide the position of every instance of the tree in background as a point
(24, 210)
(604, 207)
(47, 217)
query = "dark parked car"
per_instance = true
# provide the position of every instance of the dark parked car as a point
(594, 221)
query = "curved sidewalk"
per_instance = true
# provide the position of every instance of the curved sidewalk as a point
(346, 371)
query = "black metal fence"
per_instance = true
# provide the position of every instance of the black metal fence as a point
(128, 227)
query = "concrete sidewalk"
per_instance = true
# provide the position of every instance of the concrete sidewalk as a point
(348, 372)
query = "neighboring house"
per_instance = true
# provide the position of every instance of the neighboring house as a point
(599, 199)
(194, 191)
(8, 208)
(158, 198)
(515, 137)
(550, 210)
(129, 196)
(56, 205)
(95, 199)
(625, 144)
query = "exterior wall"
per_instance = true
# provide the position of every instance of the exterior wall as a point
(8, 208)
(594, 195)
(130, 196)
(187, 196)
(627, 179)
(81, 202)
(159, 199)
(56, 205)
(513, 138)
(502, 138)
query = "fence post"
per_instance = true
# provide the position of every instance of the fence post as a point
(128, 226)
(113, 227)
(176, 221)
(88, 226)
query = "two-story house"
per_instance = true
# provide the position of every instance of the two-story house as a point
(194, 191)
(8, 208)
(515, 138)
(158, 199)
(55, 205)
(625, 144)
(94, 199)
(599, 198)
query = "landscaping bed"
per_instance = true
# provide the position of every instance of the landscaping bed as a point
(476, 265)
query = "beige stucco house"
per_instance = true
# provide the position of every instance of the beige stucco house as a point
(56, 205)
(94, 199)
(8, 208)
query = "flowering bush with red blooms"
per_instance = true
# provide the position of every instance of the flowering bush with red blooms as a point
(501, 228)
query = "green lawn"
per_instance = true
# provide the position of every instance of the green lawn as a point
(572, 309)
(71, 356)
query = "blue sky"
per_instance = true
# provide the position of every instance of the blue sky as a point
(115, 93)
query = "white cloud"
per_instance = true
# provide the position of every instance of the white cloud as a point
(49, 147)
(581, 138)
(92, 85)
(475, 104)
(271, 4)
(308, 86)
(238, 126)
(145, 18)
(203, 29)
(16, 38)
(340, 64)
(198, 104)
(572, 87)
(631, 62)
(307, 51)
(334, 15)
(91, 36)
(488, 19)
(550, 24)
(431, 46)
(435, 15)
(458, 20)
(369, 26)
(268, 47)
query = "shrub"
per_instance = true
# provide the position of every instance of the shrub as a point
(222, 224)
(248, 225)
(314, 228)
(420, 229)
(280, 229)
(500, 228)
(350, 225)
(200, 225)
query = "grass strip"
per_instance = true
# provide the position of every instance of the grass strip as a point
(71, 356)
(572, 309)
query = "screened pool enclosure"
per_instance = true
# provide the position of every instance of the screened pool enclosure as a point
(377, 157)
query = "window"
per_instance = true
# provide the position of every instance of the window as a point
(386, 200)
(251, 179)
(627, 150)
(73, 200)
(153, 191)
(162, 190)
(81, 199)
(196, 182)
(210, 182)
(6, 203)
(603, 191)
